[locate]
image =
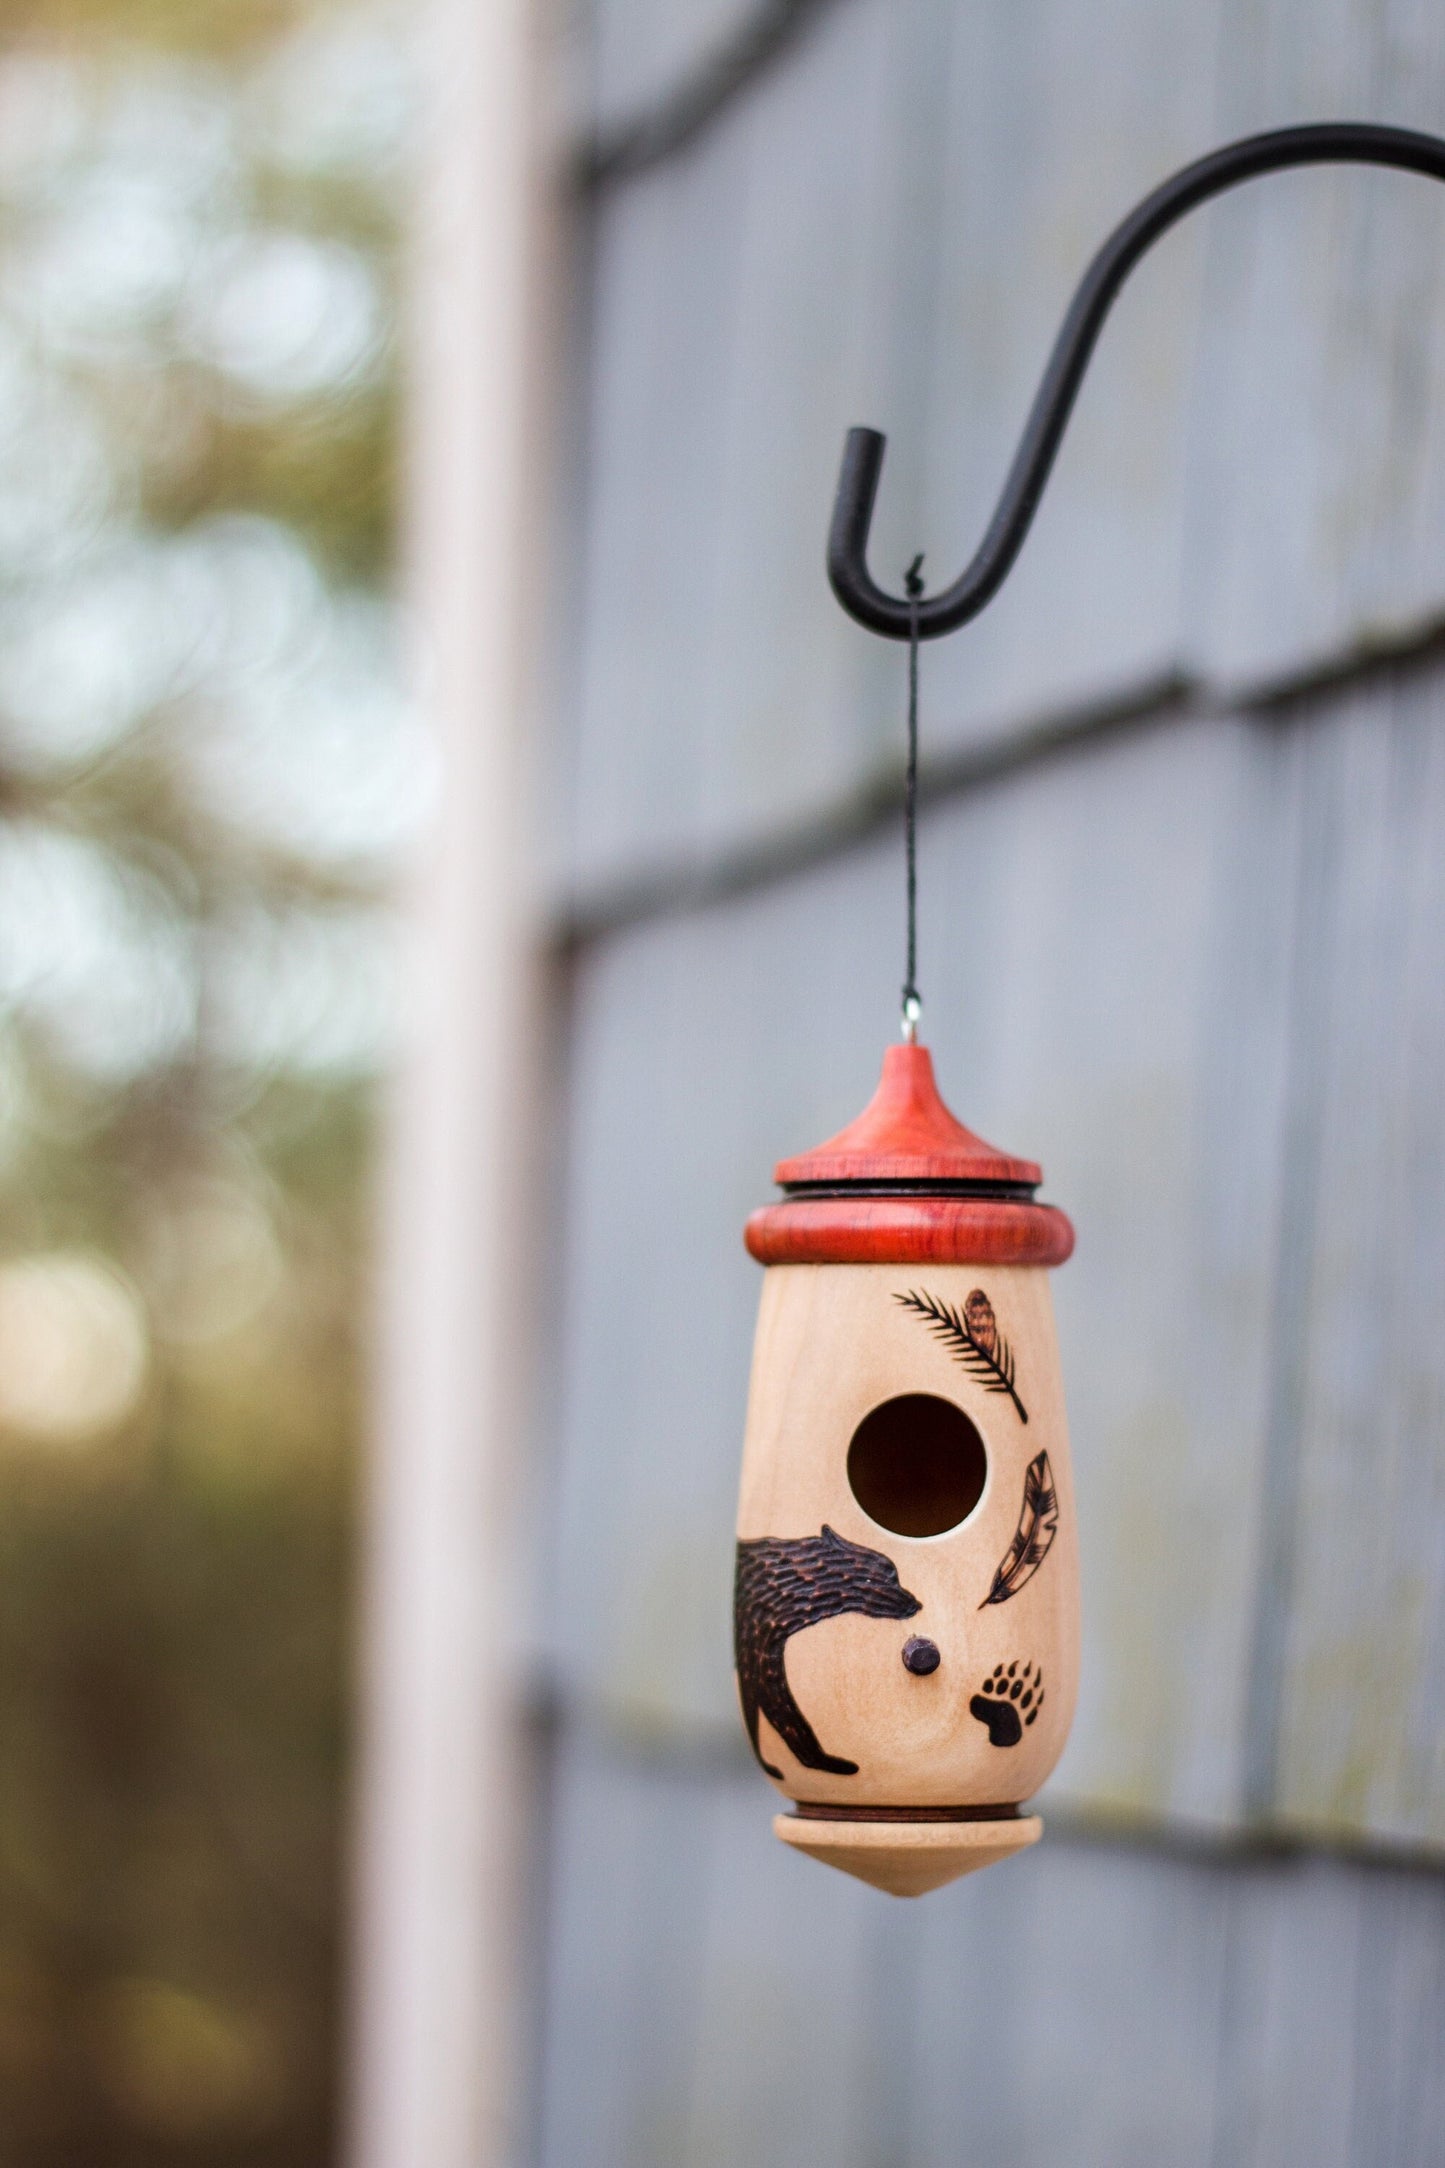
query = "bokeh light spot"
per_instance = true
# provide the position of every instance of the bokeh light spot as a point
(73, 1347)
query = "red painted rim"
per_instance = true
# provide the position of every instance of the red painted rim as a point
(865, 1230)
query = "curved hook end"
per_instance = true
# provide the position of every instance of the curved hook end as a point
(1321, 143)
(848, 573)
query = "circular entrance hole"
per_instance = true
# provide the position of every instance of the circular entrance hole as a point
(917, 1465)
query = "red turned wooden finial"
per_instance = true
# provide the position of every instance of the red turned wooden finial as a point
(906, 1182)
(906, 1134)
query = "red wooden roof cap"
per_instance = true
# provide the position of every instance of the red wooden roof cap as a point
(906, 1134)
(907, 1183)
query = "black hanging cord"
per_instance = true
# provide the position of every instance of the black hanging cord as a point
(1324, 143)
(912, 1002)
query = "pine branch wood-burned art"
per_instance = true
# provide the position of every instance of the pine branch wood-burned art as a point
(973, 1337)
(1038, 1525)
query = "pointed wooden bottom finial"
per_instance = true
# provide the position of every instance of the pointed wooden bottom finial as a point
(907, 1859)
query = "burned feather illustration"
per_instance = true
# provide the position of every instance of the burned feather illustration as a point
(1038, 1525)
(973, 1337)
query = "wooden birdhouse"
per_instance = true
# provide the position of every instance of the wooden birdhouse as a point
(907, 1595)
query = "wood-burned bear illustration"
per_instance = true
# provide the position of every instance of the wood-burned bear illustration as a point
(783, 1586)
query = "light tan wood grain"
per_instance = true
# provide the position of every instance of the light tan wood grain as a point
(833, 1343)
(908, 1859)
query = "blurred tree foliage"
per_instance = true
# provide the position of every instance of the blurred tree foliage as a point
(207, 769)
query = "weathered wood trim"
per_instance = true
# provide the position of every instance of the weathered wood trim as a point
(435, 2030)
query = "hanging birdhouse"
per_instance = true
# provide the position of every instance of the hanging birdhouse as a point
(907, 1607)
(907, 1596)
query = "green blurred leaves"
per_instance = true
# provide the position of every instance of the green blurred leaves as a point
(208, 766)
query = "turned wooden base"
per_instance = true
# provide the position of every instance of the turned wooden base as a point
(907, 1859)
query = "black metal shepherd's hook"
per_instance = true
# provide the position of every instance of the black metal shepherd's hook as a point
(1328, 143)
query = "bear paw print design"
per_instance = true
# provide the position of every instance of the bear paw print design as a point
(1010, 1699)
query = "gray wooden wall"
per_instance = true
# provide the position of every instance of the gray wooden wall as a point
(1183, 939)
